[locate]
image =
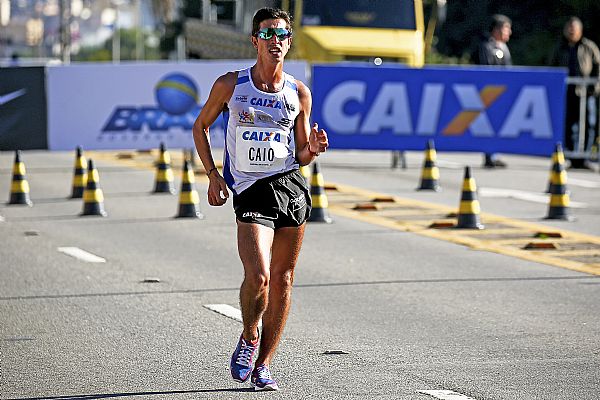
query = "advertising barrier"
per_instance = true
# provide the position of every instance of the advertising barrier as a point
(134, 106)
(22, 108)
(517, 111)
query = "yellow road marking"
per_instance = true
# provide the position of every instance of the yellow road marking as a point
(524, 232)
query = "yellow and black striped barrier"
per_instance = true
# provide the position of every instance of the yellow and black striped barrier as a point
(319, 211)
(430, 173)
(164, 173)
(558, 164)
(559, 196)
(79, 175)
(189, 201)
(469, 209)
(19, 188)
(93, 198)
(305, 171)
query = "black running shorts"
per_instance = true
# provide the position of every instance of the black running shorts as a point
(281, 200)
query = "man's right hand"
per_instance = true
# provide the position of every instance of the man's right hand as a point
(217, 188)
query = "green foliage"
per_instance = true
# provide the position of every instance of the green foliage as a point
(128, 38)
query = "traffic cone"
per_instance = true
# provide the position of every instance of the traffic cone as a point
(164, 174)
(305, 171)
(19, 188)
(430, 174)
(559, 196)
(558, 162)
(468, 212)
(319, 198)
(189, 201)
(79, 175)
(93, 198)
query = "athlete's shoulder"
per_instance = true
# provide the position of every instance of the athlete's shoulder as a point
(302, 89)
(226, 81)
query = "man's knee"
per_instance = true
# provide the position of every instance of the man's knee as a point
(259, 280)
(283, 279)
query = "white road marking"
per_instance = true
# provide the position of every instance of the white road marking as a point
(450, 164)
(1, 218)
(445, 395)
(523, 195)
(228, 311)
(81, 254)
(583, 183)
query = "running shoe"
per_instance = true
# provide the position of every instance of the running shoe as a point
(262, 380)
(242, 359)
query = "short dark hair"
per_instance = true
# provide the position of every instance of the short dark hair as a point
(498, 21)
(270, 13)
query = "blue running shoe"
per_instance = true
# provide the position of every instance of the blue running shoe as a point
(262, 380)
(242, 359)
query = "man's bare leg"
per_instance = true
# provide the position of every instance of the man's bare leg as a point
(286, 248)
(254, 247)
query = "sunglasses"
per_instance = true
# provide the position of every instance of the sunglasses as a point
(267, 33)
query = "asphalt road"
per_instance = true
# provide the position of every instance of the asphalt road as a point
(377, 313)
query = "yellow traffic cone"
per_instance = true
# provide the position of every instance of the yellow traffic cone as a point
(468, 212)
(189, 201)
(79, 175)
(319, 198)
(93, 198)
(19, 188)
(164, 174)
(559, 196)
(305, 171)
(430, 174)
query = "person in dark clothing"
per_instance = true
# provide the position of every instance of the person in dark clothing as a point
(493, 50)
(582, 57)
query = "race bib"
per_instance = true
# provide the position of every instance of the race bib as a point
(260, 149)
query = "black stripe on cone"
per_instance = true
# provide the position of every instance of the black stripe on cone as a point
(319, 211)
(469, 209)
(79, 175)
(558, 207)
(430, 173)
(93, 198)
(164, 173)
(19, 188)
(558, 164)
(189, 201)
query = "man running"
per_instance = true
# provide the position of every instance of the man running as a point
(263, 106)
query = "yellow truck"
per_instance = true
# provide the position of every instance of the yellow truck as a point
(358, 30)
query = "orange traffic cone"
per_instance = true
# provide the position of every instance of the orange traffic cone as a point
(430, 174)
(189, 201)
(319, 198)
(19, 188)
(93, 198)
(468, 212)
(164, 174)
(79, 175)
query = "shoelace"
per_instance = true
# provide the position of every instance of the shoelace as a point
(264, 373)
(245, 354)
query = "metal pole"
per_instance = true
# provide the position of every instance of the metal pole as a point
(582, 114)
(116, 42)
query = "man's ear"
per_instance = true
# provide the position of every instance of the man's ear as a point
(254, 42)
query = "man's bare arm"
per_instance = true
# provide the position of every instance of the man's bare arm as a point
(310, 142)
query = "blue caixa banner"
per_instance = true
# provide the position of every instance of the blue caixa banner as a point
(516, 110)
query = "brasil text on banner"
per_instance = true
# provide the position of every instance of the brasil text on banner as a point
(513, 110)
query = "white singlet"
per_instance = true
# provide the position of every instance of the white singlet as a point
(259, 139)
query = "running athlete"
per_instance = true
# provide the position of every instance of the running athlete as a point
(268, 137)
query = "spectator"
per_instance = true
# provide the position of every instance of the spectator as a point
(582, 57)
(494, 51)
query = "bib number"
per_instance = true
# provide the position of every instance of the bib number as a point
(259, 149)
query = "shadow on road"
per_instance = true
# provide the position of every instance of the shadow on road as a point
(113, 395)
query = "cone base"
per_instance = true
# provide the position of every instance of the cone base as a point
(93, 210)
(322, 218)
(478, 226)
(433, 189)
(469, 221)
(189, 211)
(197, 215)
(561, 217)
(164, 190)
(21, 199)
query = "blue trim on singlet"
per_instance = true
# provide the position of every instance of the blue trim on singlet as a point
(226, 169)
(242, 79)
(291, 84)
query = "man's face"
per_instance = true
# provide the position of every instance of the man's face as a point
(573, 32)
(502, 34)
(274, 48)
